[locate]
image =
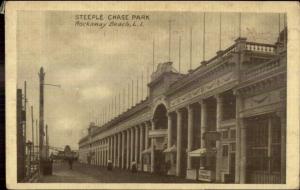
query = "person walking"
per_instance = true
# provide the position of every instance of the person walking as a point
(70, 160)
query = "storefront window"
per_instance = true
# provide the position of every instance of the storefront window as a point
(263, 144)
(225, 134)
(229, 106)
(225, 151)
(232, 133)
(233, 148)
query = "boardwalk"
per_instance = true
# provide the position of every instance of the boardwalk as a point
(82, 173)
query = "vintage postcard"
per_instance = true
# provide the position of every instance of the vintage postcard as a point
(152, 95)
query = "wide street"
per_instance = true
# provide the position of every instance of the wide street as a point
(82, 173)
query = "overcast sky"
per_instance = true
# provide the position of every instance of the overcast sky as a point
(93, 65)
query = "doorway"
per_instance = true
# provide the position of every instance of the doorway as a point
(232, 168)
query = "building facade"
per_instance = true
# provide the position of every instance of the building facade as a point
(224, 121)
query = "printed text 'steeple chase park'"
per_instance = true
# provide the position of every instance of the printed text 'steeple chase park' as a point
(110, 20)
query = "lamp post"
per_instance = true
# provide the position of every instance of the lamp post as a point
(41, 117)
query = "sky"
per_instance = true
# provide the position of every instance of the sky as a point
(93, 65)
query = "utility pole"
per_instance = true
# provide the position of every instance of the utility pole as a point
(32, 133)
(47, 142)
(25, 105)
(41, 118)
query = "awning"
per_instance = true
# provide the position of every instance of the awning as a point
(170, 149)
(198, 152)
(146, 151)
(202, 152)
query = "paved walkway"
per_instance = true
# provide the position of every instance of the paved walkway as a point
(82, 173)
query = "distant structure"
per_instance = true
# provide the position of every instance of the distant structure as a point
(224, 121)
(21, 157)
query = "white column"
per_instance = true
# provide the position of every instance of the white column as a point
(99, 155)
(146, 135)
(243, 154)
(282, 115)
(152, 147)
(123, 150)
(102, 153)
(106, 151)
(190, 136)
(115, 151)
(219, 99)
(131, 146)
(179, 138)
(119, 150)
(203, 128)
(128, 149)
(169, 130)
(239, 122)
(136, 145)
(111, 147)
(141, 146)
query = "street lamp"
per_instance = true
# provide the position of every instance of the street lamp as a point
(41, 115)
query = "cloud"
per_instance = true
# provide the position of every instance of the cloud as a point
(95, 93)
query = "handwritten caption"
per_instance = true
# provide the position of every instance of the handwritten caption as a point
(111, 20)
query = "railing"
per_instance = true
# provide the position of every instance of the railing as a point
(264, 177)
(229, 50)
(32, 170)
(260, 47)
(262, 68)
(223, 54)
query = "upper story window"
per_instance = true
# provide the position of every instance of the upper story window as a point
(229, 103)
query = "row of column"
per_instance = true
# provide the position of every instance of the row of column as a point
(203, 116)
(100, 153)
(122, 148)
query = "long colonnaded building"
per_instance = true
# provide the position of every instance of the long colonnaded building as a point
(224, 121)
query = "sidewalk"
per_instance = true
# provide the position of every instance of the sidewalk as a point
(83, 173)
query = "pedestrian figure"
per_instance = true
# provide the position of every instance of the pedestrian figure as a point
(133, 167)
(70, 160)
(109, 165)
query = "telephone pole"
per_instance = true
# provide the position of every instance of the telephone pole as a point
(41, 117)
(32, 133)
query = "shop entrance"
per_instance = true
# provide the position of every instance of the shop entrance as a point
(160, 120)
(231, 168)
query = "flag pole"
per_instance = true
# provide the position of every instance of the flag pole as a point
(179, 53)
(142, 86)
(191, 47)
(220, 32)
(132, 94)
(203, 37)
(153, 55)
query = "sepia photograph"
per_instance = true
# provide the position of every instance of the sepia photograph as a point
(151, 97)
